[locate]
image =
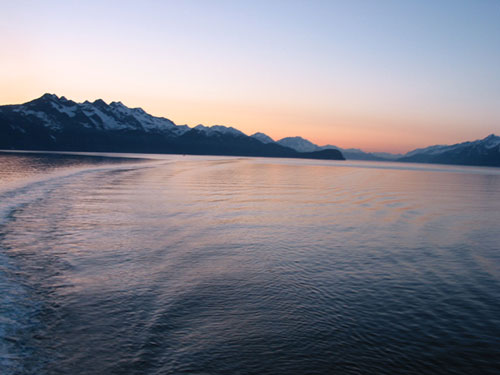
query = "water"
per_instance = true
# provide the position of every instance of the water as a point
(220, 265)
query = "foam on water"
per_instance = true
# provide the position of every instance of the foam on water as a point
(19, 306)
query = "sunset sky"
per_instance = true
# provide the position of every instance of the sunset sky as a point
(377, 75)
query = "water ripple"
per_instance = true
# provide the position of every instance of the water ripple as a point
(251, 266)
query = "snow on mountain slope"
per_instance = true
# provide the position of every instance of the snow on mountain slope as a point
(303, 145)
(264, 138)
(431, 150)
(299, 144)
(65, 107)
(147, 121)
(218, 129)
(53, 112)
(485, 152)
(46, 120)
(489, 142)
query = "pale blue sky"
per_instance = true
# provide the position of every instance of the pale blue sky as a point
(382, 75)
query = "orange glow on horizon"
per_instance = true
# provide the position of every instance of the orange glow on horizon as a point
(338, 129)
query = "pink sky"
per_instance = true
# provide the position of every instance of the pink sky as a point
(388, 77)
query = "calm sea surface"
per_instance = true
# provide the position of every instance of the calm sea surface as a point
(226, 265)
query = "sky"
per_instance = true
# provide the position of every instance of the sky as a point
(377, 75)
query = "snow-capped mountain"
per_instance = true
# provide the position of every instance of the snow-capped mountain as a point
(54, 113)
(303, 145)
(56, 123)
(218, 129)
(480, 152)
(299, 144)
(264, 138)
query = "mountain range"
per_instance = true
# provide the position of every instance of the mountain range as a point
(57, 124)
(303, 145)
(482, 152)
(485, 152)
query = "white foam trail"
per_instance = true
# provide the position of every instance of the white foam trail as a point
(17, 308)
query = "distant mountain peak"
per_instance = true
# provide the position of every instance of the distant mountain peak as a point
(484, 151)
(49, 96)
(299, 144)
(490, 141)
(218, 129)
(264, 138)
(303, 145)
(491, 137)
(100, 103)
(138, 110)
(297, 138)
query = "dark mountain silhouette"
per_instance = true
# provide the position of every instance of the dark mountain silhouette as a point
(58, 124)
(303, 145)
(485, 152)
